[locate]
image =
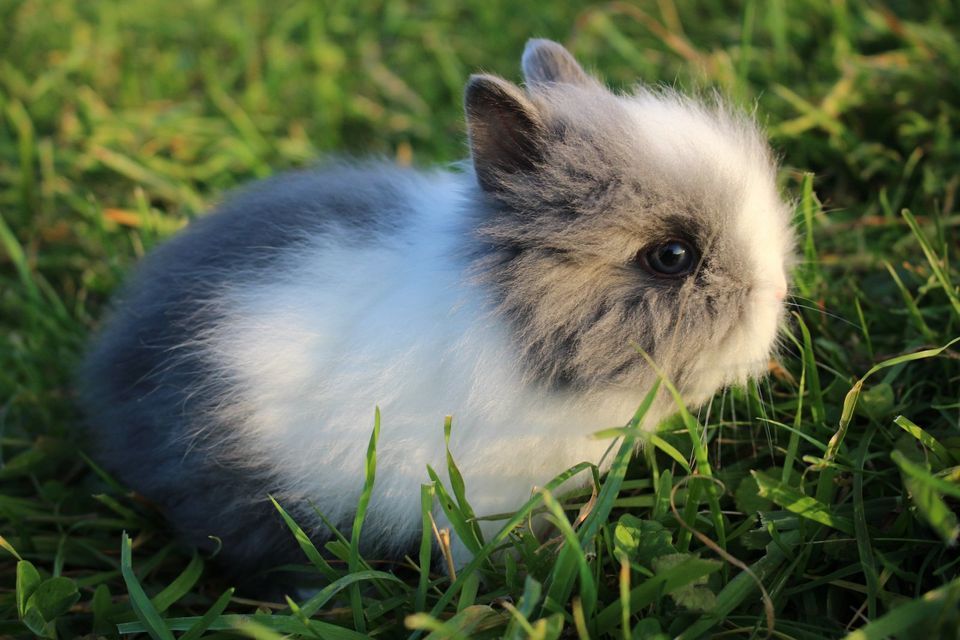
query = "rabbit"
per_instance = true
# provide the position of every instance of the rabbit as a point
(245, 357)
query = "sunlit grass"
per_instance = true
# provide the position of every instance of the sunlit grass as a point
(836, 481)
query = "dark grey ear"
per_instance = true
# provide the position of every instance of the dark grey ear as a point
(506, 131)
(546, 61)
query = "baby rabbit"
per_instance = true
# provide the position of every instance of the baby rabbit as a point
(246, 355)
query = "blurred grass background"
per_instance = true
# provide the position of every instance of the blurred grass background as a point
(120, 121)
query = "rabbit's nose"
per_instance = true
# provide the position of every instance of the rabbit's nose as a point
(780, 288)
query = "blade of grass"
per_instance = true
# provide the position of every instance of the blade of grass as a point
(670, 450)
(925, 439)
(850, 401)
(799, 503)
(306, 544)
(861, 533)
(458, 486)
(926, 492)
(427, 493)
(942, 276)
(864, 327)
(149, 618)
(912, 309)
(562, 575)
(322, 597)
(651, 590)
(588, 588)
(916, 471)
(468, 595)
(16, 255)
(817, 410)
(695, 432)
(356, 601)
(518, 517)
(808, 273)
(203, 623)
(520, 626)
(279, 623)
(181, 586)
(910, 618)
(793, 445)
(743, 585)
(457, 519)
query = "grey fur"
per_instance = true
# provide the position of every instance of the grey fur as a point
(545, 61)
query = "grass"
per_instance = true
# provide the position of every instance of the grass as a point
(836, 481)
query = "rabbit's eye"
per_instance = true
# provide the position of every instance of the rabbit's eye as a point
(674, 258)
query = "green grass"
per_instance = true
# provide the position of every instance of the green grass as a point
(836, 481)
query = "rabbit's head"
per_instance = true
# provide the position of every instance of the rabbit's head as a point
(611, 222)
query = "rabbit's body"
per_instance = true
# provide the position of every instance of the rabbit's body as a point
(247, 356)
(248, 362)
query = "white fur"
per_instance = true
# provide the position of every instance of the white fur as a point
(721, 152)
(399, 326)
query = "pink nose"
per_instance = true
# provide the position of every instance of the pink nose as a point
(781, 293)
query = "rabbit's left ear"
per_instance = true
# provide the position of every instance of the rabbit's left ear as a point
(505, 129)
(545, 61)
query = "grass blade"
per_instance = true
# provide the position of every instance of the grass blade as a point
(803, 505)
(458, 486)
(500, 537)
(562, 576)
(427, 493)
(651, 590)
(306, 544)
(861, 533)
(203, 623)
(149, 617)
(279, 623)
(907, 620)
(850, 402)
(316, 602)
(588, 588)
(356, 601)
(934, 260)
(743, 585)
(925, 439)
(181, 586)
(926, 492)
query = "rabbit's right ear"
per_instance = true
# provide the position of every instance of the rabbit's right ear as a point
(505, 129)
(548, 62)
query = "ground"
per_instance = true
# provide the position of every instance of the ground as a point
(836, 481)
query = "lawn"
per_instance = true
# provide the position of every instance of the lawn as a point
(834, 483)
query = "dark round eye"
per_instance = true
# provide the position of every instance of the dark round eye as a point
(673, 258)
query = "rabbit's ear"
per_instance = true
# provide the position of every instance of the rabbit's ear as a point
(545, 61)
(506, 131)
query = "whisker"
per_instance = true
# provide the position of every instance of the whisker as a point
(766, 423)
(766, 381)
(817, 303)
(824, 312)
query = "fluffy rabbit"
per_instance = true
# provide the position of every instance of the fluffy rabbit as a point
(246, 355)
